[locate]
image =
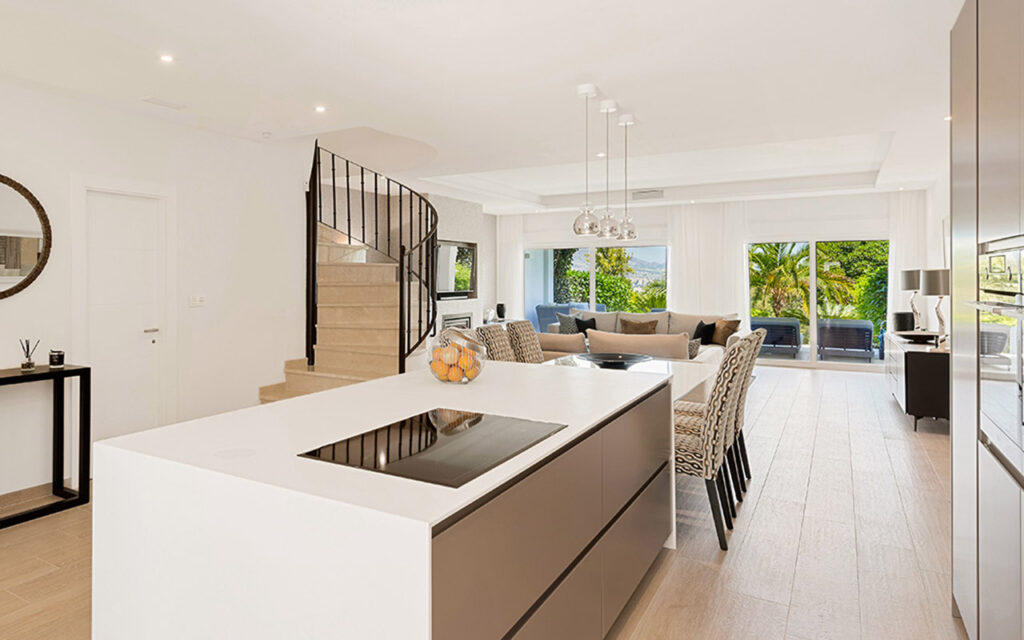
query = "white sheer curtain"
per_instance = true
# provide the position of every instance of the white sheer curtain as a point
(706, 259)
(908, 246)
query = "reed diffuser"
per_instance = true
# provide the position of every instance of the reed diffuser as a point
(28, 349)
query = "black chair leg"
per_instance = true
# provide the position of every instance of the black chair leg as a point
(737, 473)
(716, 513)
(723, 496)
(742, 444)
(727, 476)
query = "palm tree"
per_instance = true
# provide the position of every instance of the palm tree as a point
(780, 280)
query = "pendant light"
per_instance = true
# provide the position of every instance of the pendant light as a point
(627, 230)
(608, 226)
(586, 223)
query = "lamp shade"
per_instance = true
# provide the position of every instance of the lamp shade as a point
(910, 279)
(935, 282)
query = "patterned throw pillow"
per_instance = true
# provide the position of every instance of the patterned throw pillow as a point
(496, 339)
(566, 323)
(524, 342)
(694, 348)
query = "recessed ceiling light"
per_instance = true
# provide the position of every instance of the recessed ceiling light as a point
(693, 202)
(320, 108)
(601, 154)
(948, 118)
(166, 58)
(901, 188)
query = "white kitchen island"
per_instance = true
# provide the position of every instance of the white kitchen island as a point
(218, 528)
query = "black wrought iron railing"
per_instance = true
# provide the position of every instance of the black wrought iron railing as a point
(398, 224)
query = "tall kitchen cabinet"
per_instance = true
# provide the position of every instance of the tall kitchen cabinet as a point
(986, 204)
(964, 326)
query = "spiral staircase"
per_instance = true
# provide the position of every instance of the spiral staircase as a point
(370, 279)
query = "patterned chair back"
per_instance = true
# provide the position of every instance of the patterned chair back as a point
(721, 404)
(496, 339)
(753, 342)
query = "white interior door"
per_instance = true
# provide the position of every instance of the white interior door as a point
(126, 311)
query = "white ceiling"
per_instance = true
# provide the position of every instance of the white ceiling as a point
(479, 95)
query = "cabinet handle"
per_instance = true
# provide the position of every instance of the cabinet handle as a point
(150, 330)
(1003, 461)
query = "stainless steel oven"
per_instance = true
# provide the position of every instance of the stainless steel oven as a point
(1001, 366)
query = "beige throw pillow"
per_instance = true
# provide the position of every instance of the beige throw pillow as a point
(637, 328)
(564, 342)
(675, 347)
(724, 329)
(606, 320)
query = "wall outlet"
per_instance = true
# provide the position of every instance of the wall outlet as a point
(197, 301)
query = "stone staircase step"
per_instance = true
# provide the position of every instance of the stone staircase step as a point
(331, 253)
(357, 272)
(357, 360)
(359, 312)
(355, 334)
(352, 292)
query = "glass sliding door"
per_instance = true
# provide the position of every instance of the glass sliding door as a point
(555, 277)
(852, 299)
(615, 278)
(631, 278)
(780, 297)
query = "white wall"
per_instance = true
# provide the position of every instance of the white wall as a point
(706, 241)
(466, 222)
(240, 213)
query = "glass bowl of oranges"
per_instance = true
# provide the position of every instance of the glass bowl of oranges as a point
(455, 356)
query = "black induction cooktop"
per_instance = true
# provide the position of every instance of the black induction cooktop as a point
(442, 446)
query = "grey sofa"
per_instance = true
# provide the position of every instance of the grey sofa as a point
(782, 337)
(845, 337)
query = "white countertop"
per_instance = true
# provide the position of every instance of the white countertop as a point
(262, 443)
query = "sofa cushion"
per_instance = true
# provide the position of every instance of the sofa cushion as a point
(659, 346)
(606, 321)
(583, 325)
(661, 317)
(724, 329)
(687, 322)
(563, 343)
(705, 332)
(566, 323)
(637, 327)
(693, 348)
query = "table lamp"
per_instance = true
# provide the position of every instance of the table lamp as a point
(935, 282)
(910, 280)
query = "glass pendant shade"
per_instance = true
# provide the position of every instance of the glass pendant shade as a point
(586, 223)
(608, 226)
(627, 230)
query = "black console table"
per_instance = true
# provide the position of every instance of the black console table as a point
(68, 497)
(918, 378)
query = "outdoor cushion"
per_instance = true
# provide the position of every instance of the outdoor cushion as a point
(659, 346)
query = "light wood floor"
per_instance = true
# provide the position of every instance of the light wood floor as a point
(844, 533)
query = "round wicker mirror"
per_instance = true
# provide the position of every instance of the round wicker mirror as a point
(25, 237)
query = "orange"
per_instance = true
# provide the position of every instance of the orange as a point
(440, 369)
(472, 372)
(466, 361)
(450, 355)
(455, 374)
(436, 355)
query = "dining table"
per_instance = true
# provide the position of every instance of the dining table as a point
(691, 379)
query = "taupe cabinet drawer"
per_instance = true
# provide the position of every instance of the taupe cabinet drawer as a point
(491, 566)
(589, 600)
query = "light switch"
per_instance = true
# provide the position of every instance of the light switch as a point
(197, 301)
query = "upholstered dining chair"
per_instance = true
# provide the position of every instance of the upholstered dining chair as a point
(525, 343)
(497, 341)
(689, 415)
(700, 448)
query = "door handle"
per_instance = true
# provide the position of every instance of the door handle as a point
(150, 331)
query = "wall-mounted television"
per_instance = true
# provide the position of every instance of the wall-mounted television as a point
(456, 269)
